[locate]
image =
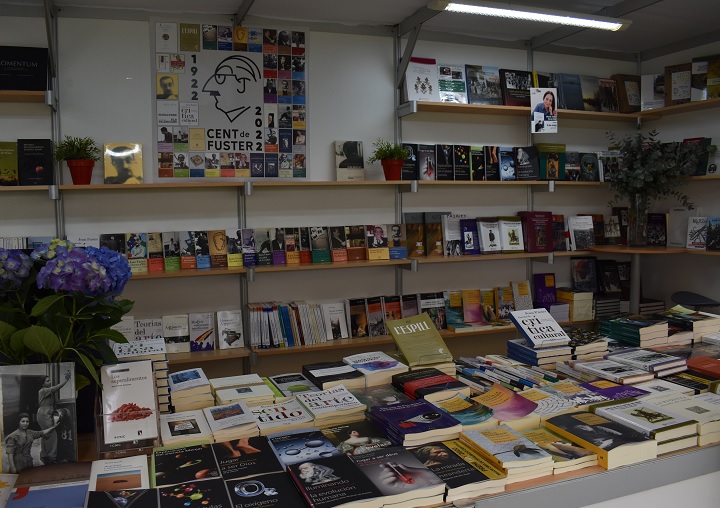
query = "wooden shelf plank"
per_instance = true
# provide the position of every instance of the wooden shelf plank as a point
(24, 188)
(480, 257)
(195, 272)
(150, 186)
(624, 249)
(331, 266)
(689, 107)
(207, 356)
(22, 96)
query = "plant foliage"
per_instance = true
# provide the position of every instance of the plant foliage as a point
(74, 148)
(384, 150)
(652, 168)
(58, 304)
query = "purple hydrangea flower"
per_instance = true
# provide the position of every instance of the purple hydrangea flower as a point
(15, 267)
(117, 267)
(74, 270)
(49, 251)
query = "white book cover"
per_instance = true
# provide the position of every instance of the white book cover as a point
(176, 330)
(614, 371)
(333, 400)
(696, 233)
(119, 474)
(451, 83)
(452, 234)
(539, 328)
(188, 379)
(421, 80)
(129, 406)
(677, 226)
(292, 384)
(230, 329)
(227, 395)
(284, 414)
(150, 328)
(220, 383)
(646, 417)
(582, 232)
(228, 416)
(150, 349)
(691, 407)
(335, 320)
(373, 362)
(84, 240)
(185, 423)
(547, 403)
(489, 235)
(202, 331)
(511, 237)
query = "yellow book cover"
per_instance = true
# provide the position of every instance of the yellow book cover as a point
(190, 37)
(196, 139)
(123, 163)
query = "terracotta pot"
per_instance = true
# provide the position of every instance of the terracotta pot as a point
(81, 171)
(392, 168)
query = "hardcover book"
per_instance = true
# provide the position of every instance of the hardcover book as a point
(515, 87)
(35, 162)
(421, 80)
(628, 92)
(582, 232)
(483, 84)
(129, 406)
(537, 229)
(656, 229)
(608, 95)
(678, 79)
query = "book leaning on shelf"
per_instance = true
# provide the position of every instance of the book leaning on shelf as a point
(418, 340)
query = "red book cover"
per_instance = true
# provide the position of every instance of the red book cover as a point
(705, 365)
(537, 230)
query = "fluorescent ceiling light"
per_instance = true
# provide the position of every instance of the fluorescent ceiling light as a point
(530, 14)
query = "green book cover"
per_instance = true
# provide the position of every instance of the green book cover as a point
(418, 340)
(8, 163)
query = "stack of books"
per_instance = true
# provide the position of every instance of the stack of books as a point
(608, 369)
(706, 414)
(672, 432)
(428, 383)
(650, 306)
(566, 455)
(190, 389)
(152, 349)
(699, 323)
(333, 406)
(325, 375)
(509, 407)
(586, 344)
(470, 413)
(614, 391)
(544, 341)
(518, 457)
(414, 423)
(574, 393)
(291, 384)
(282, 416)
(377, 367)
(660, 364)
(250, 389)
(184, 427)
(547, 404)
(420, 343)
(607, 306)
(231, 421)
(636, 330)
(581, 303)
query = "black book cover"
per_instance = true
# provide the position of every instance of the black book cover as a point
(320, 373)
(272, 489)
(492, 163)
(426, 162)
(244, 457)
(444, 161)
(410, 166)
(206, 493)
(35, 162)
(331, 481)
(527, 165)
(129, 498)
(184, 464)
(589, 167)
(356, 438)
(450, 468)
(462, 162)
(477, 163)
(23, 68)
(515, 87)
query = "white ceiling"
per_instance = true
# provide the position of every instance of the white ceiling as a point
(658, 26)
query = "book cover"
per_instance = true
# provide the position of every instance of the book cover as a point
(330, 403)
(320, 244)
(189, 381)
(566, 455)
(644, 359)
(419, 340)
(477, 163)
(335, 320)
(503, 302)
(176, 330)
(326, 375)
(136, 249)
(444, 161)
(35, 162)
(492, 163)
(608, 97)
(451, 84)
(292, 245)
(426, 162)
(582, 232)
(506, 161)
(507, 405)
(349, 161)
(397, 241)
(185, 426)
(421, 80)
(537, 230)
(696, 233)
(628, 92)
(410, 165)
(470, 413)
(613, 371)
(589, 167)
(415, 233)
(522, 300)
(230, 329)
(429, 383)
(376, 317)
(71, 495)
(417, 419)
(241, 458)
(338, 244)
(511, 236)
(263, 250)
(110, 498)
(218, 248)
(712, 239)
(8, 163)
(188, 256)
(452, 234)
(123, 163)
(128, 402)
(24, 68)
(229, 416)
(202, 331)
(293, 383)
(376, 241)
(527, 164)
(288, 415)
(291, 447)
(234, 241)
(515, 87)
(356, 312)
(483, 84)
(505, 448)
(176, 465)
(470, 244)
(544, 289)
(276, 488)
(551, 161)
(584, 273)
(356, 438)
(489, 235)
(650, 420)
(171, 250)
(461, 162)
(652, 91)
(678, 80)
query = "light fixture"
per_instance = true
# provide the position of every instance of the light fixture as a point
(525, 13)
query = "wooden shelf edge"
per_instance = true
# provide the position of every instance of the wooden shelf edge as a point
(23, 188)
(362, 342)
(624, 249)
(331, 265)
(151, 186)
(36, 96)
(207, 356)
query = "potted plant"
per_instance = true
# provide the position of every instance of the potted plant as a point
(59, 303)
(651, 170)
(80, 154)
(391, 156)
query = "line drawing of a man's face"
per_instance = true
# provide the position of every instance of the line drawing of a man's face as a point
(229, 82)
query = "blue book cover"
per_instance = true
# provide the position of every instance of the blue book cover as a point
(416, 417)
(470, 241)
(257, 165)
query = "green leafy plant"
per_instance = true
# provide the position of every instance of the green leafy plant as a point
(384, 150)
(58, 304)
(653, 169)
(74, 148)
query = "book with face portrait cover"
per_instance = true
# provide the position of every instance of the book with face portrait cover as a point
(123, 163)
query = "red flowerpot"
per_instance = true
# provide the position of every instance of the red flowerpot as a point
(81, 171)
(392, 168)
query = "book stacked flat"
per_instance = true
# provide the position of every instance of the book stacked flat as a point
(611, 370)
(466, 474)
(231, 421)
(249, 388)
(291, 384)
(545, 342)
(607, 306)
(333, 406)
(290, 446)
(547, 404)
(382, 395)
(325, 375)
(706, 414)
(518, 457)
(614, 391)
(522, 351)
(428, 383)
(509, 407)
(700, 323)
(190, 389)
(636, 330)
(650, 306)
(414, 423)
(184, 427)
(471, 414)
(660, 364)
(152, 349)
(671, 431)
(566, 455)
(705, 365)
(560, 311)
(287, 415)
(377, 367)
(586, 344)
(615, 444)
(581, 303)
(574, 393)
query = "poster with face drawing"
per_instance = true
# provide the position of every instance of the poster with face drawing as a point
(234, 91)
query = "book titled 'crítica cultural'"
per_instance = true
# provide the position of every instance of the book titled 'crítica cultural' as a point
(539, 328)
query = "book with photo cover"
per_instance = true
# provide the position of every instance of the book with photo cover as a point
(656, 229)
(349, 161)
(584, 273)
(240, 458)
(483, 84)
(123, 163)
(527, 165)
(451, 84)
(608, 95)
(582, 232)
(515, 87)
(356, 438)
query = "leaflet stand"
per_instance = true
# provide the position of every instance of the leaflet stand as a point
(139, 446)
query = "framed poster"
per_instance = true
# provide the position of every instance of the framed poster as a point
(230, 102)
